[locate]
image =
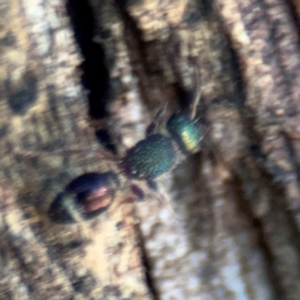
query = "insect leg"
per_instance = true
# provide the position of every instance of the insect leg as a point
(155, 124)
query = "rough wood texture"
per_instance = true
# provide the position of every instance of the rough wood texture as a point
(235, 233)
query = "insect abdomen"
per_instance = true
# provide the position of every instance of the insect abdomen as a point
(85, 197)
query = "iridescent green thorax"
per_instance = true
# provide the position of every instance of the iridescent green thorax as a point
(150, 158)
(185, 132)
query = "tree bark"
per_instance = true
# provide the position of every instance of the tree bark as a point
(224, 223)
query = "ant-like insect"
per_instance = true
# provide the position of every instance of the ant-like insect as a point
(92, 193)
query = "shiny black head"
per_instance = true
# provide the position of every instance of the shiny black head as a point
(84, 198)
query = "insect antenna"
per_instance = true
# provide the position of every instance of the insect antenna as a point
(157, 122)
(197, 94)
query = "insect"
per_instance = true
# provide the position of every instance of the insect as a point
(84, 198)
(91, 194)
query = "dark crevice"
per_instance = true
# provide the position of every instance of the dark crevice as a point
(106, 141)
(293, 13)
(147, 265)
(95, 77)
(183, 96)
(274, 43)
(124, 3)
(293, 155)
(24, 96)
(231, 62)
(145, 55)
(246, 210)
(295, 210)
(133, 34)
(205, 8)
(276, 175)
(83, 284)
(236, 75)
(141, 54)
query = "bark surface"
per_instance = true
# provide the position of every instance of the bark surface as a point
(224, 223)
